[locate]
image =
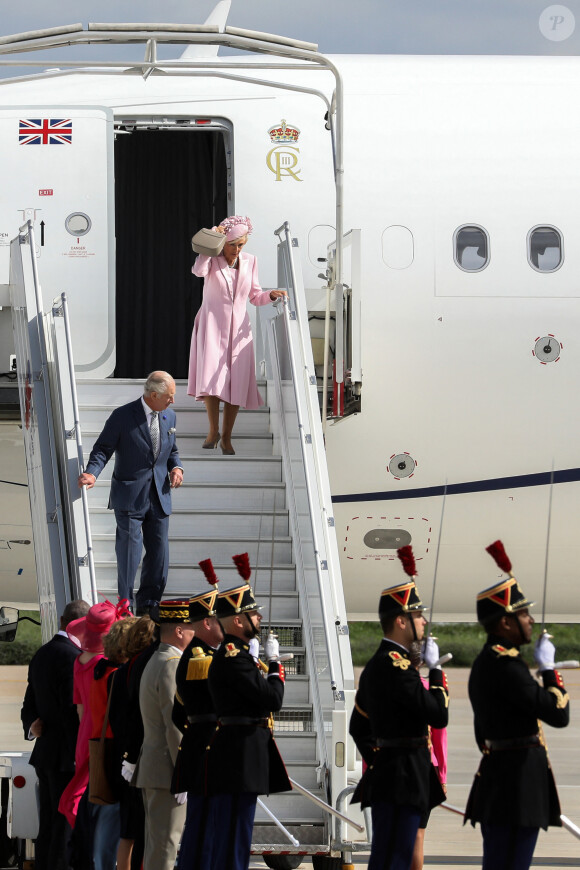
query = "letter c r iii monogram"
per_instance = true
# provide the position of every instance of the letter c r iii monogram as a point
(282, 161)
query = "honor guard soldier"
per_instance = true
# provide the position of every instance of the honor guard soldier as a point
(390, 723)
(513, 794)
(194, 715)
(242, 760)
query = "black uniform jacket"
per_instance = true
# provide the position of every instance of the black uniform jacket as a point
(49, 696)
(193, 700)
(243, 757)
(392, 705)
(514, 784)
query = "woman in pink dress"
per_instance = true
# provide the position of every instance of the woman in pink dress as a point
(88, 632)
(221, 362)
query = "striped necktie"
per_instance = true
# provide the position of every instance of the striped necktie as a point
(154, 432)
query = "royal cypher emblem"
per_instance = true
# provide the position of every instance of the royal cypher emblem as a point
(400, 661)
(231, 650)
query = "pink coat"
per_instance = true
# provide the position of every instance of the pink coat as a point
(221, 361)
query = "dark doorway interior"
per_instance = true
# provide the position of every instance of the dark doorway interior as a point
(168, 184)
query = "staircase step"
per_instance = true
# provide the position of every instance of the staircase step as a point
(214, 523)
(299, 746)
(119, 391)
(222, 469)
(251, 496)
(293, 719)
(296, 689)
(186, 579)
(304, 774)
(194, 549)
(259, 444)
(191, 419)
(292, 807)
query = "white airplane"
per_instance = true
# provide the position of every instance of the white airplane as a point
(451, 184)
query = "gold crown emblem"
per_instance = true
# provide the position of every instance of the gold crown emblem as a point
(283, 133)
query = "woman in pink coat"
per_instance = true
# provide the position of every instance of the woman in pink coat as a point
(221, 362)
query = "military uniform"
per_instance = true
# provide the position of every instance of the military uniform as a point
(242, 760)
(390, 722)
(514, 793)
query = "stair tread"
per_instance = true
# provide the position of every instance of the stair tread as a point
(279, 512)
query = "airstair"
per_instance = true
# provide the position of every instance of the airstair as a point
(272, 500)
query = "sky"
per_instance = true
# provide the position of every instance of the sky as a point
(533, 27)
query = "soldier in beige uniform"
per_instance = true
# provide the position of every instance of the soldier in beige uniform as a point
(164, 812)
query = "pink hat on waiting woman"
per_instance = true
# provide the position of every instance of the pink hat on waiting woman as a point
(90, 629)
(236, 226)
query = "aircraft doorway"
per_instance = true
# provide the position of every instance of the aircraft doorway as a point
(168, 184)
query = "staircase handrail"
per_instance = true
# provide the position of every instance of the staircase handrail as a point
(315, 427)
(77, 431)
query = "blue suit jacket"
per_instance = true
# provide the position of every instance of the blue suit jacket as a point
(126, 434)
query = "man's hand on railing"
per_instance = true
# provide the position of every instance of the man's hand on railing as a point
(87, 479)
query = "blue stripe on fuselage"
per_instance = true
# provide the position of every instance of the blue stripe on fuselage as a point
(542, 478)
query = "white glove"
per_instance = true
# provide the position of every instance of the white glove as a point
(181, 798)
(127, 770)
(544, 653)
(271, 648)
(430, 653)
(255, 648)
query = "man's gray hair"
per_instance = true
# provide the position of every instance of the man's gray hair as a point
(157, 382)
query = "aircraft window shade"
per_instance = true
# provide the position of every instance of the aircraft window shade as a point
(545, 249)
(398, 247)
(471, 248)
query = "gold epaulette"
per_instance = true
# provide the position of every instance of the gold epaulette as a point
(198, 665)
(513, 652)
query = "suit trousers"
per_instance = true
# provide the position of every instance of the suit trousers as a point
(147, 528)
(52, 844)
(164, 820)
(394, 834)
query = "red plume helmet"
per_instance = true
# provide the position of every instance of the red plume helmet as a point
(499, 555)
(242, 563)
(210, 575)
(405, 554)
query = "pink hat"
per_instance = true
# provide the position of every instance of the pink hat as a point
(90, 629)
(236, 226)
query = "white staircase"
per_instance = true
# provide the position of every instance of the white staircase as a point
(227, 505)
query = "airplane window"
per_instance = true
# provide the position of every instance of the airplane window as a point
(471, 248)
(545, 252)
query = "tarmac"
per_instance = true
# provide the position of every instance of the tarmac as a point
(448, 843)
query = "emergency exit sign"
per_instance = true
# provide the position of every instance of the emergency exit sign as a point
(45, 191)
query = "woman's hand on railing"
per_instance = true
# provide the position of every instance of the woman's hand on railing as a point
(277, 294)
(86, 479)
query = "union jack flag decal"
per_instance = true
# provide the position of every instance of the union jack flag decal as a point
(45, 131)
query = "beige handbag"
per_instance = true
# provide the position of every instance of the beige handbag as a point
(208, 242)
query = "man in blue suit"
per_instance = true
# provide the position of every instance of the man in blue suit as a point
(141, 434)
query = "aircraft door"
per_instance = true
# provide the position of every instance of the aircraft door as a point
(57, 173)
(169, 182)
